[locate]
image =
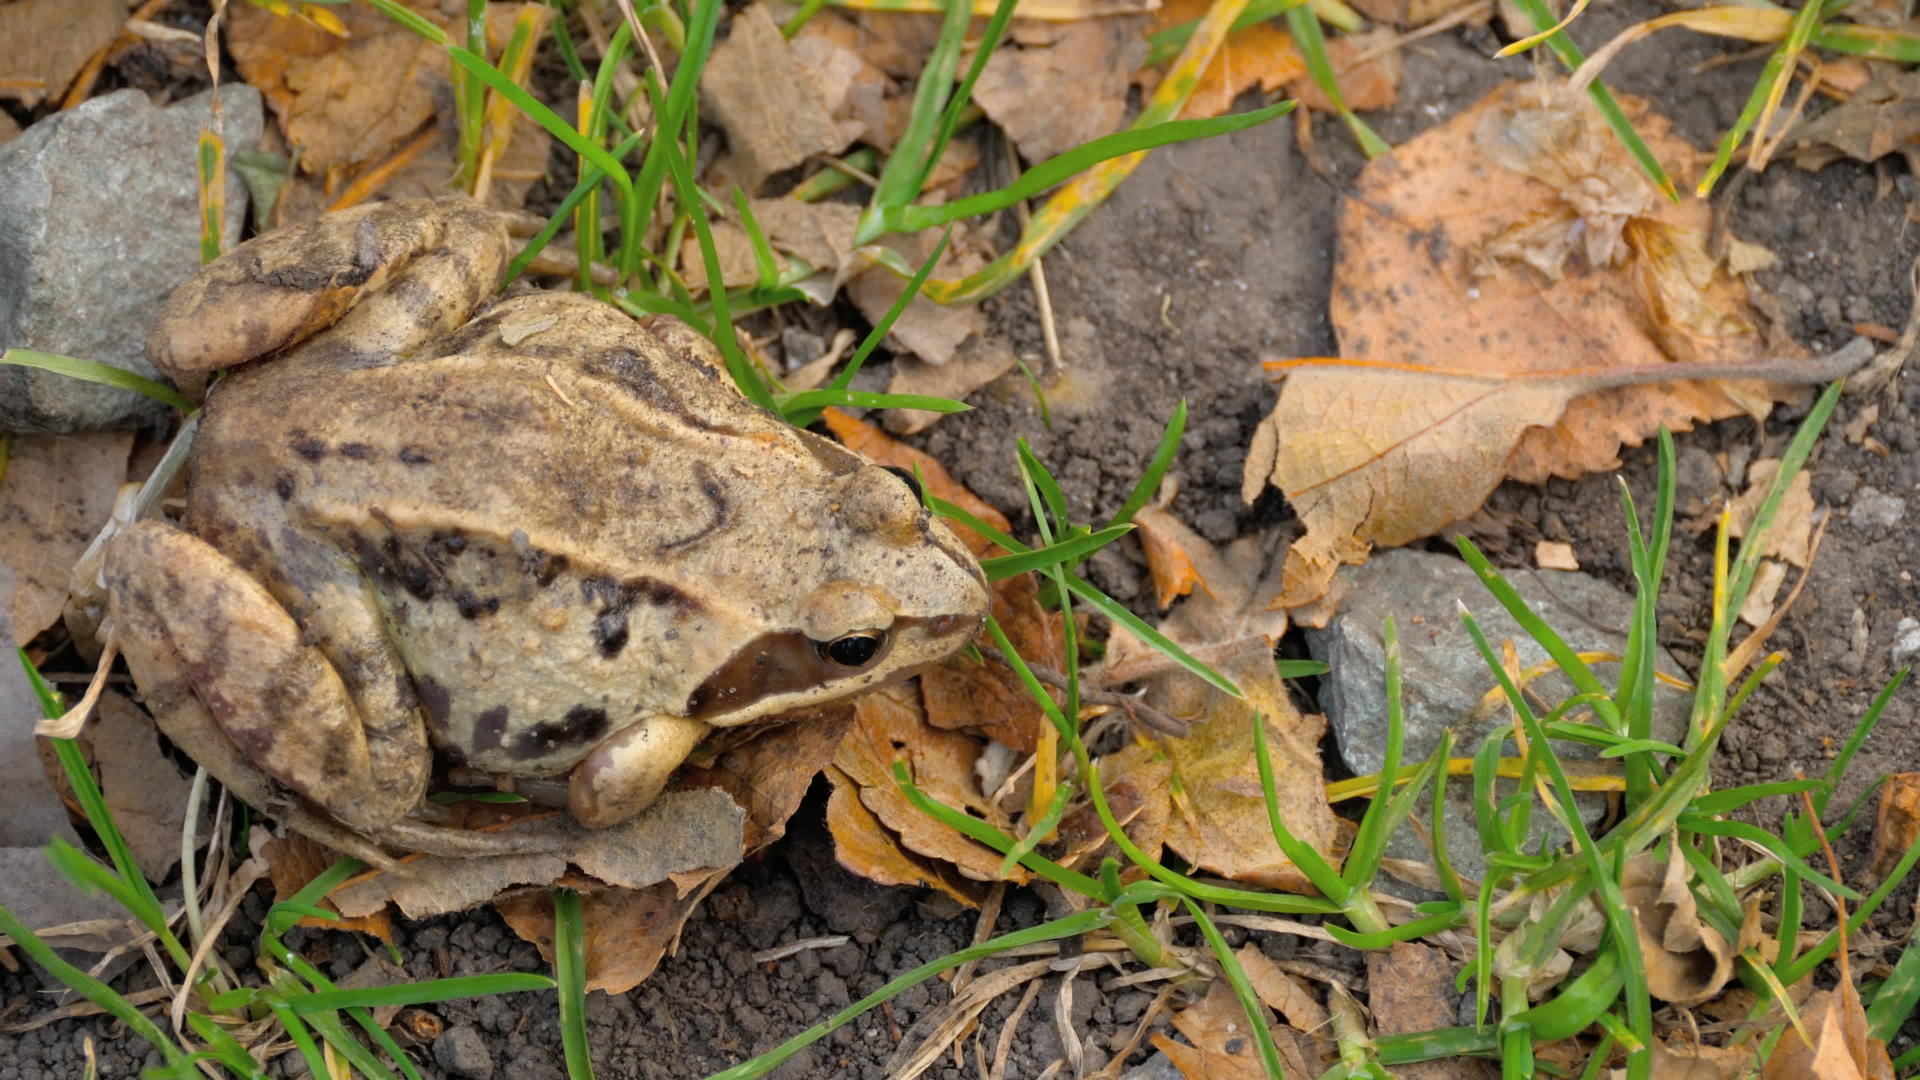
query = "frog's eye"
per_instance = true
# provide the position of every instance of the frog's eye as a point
(856, 649)
(906, 476)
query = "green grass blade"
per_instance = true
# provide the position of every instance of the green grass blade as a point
(1304, 23)
(1301, 854)
(588, 183)
(570, 979)
(764, 259)
(1568, 661)
(1073, 548)
(421, 993)
(95, 372)
(795, 405)
(1157, 466)
(90, 988)
(1242, 989)
(1062, 166)
(951, 115)
(1868, 721)
(1778, 67)
(1071, 926)
(1370, 841)
(901, 176)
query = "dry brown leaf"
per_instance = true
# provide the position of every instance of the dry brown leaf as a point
(1686, 1061)
(986, 696)
(147, 795)
(858, 435)
(627, 930)
(55, 493)
(1466, 362)
(979, 361)
(1288, 995)
(1897, 828)
(1170, 548)
(1219, 818)
(1410, 988)
(868, 848)
(1791, 534)
(1880, 118)
(1227, 616)
(888, 726)
(1412, 12)
(1223, 1047)
(1053, 97)
(1261, 55)
(1687, 961)
(757, 89)
(852, 87)
(933, 332)
(1841, 1050)
(1135, 781)
(344, 102)
(44, 43)
(769, 775)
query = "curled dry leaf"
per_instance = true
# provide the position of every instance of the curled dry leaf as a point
(889, 726)
(1509, 297)
(344, 101)
(56, 492)
(1687, 961)
(1050, 97)
(1897, 828)
(868, 848)
(1790, 536)
(1841, 1050)
(627, 930)
(758, 90)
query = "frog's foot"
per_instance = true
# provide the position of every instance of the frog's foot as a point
(402, 272)
(231, 680)
(627, 772)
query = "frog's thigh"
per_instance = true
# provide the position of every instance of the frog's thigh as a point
(233, 682)
(625, 774)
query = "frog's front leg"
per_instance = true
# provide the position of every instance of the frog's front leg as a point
(243, 692)
(628, 771)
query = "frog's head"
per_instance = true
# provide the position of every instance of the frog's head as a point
(891, 592)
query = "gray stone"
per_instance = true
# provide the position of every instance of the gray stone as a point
(1157, 1067)
(1906, 642)
(99, 219)
(1444, 678)
(462, 1051)
(1696, 473)
(1873, 508)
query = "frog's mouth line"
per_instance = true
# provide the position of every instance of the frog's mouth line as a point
(786, 662)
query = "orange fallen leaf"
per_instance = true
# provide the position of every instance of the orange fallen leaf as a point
(1264, 56)
(293, 861)
(1222, 1040)
(1897, 828)
(889, 727)
(1170, 548)
(1050, 96)
(868, 848)
(1511, 299)
(771, 772)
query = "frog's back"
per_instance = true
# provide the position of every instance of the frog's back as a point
(551, 496)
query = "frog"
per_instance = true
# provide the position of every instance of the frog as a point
(528, 535)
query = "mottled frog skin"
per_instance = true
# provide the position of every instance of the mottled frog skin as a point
(544, 540)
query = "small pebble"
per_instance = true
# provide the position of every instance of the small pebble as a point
(1873, 508)
(1906, 642)
(462, 1051)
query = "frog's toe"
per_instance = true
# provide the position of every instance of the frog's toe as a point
(231, 679)
(628, 771)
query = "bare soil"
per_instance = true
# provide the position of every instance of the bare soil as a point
(1212, 256)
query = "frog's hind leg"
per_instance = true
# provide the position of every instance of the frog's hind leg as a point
(231, 679)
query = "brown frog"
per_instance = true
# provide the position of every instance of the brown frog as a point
(544, 539)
